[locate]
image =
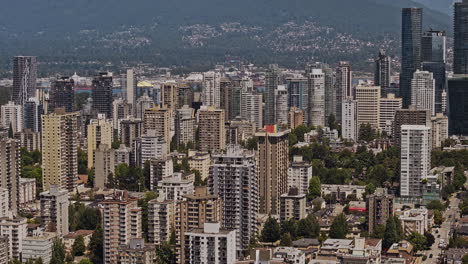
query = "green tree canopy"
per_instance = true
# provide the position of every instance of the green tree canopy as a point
(58, 252)
(438, 217)
(95, 246)
(418, 241)
(339, 227)
(315, 188)
(271, 230)
(79, 247)
(286, 240)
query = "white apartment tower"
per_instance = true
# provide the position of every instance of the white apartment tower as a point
(316, 97)
(388, 107)
(185, 125)
(415, 158)
(299, 174)
(423, 91)
(349, 120)
(12, 115)
(211, 89)
(252, 108)
(281, 110)
(233, 178)
(54, 210)
(343, 86)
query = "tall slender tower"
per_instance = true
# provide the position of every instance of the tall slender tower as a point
(271, 84)
(24, 78)
(59, 149)
(10, 169)
(62, 93)
(460, 45)
(316, 97)
(343, 86)
(434, 60)
(102, 94)
(411, 33)
(211, 95)
(423, 90)
(382, 72)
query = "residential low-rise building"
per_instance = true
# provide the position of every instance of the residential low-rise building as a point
(137, 252)
(176, 186)
(70, 238)
(415, 220)
(200, 161)
(27, 191)
(299, 174)
(38, 245)
(15, 230)
(293, 205)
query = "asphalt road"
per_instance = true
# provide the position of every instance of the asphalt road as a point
(450, 215)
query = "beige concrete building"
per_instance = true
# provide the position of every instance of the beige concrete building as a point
(193, 212)
(368, 98)
(59, 150)
(137, 252)
(388, 107)
(161, 220)
(38, 245)
(238, 131)
(4, 250)
(104, 164)
(100, 131)
(170, 95)
(379, 207)
(27, 191)
(273, 160)
(159, 120)
(211, 129)
(296, 117)
(439, 129)
(29, 139)
(185, 125)
(293, 205)
(15, 230)
(54, 210)
(121, 222)
(200, 161)
(10, 169)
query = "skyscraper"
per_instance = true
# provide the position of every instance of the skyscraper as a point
(130, 87)
(343, 86)
(24, 78)
(415, 159)
(382, 72)
(100, 131)
(62, 94)
(59, 150)
(297, 92)
(233, 177)
(10, 169)
(411, 33)
(211, 129)
(102, 94)
(423, 90)
(159, 120)
(211, 93)
(271, 85)
(316, 97)
(458, 98)
(170, 96)
(185, 125)
(349, 122)
(388, 107)
(252, 108)
(368, 101)
(281, 109)
(226, 88)
(460, 45)
(12, 116)
(32, 114)
(272, 158)
(409, 116)
(433, 60)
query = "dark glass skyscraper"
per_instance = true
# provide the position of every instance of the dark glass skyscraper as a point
(24, 78)
(102, 94)
(62, 94)
(458, 107)
(382, 72)
(271, 85)
(433, 60)
(411, 33)
(460, 45)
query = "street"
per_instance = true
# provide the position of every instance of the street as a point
(450, 215)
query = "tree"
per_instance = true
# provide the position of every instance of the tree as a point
(308, 227)
(465, 259)
(165, 254)
(81, 216)
(436, 205)
(418, 241)
(286, 240)
(430, 239)
(85, 261)
(78, 247)
(367, 133)
(339, 227)
(58, 252)
(271, 230)
(82, 162)
(379, 232)
(95, 247)
(438, 217)
(315, 188)
(143, 204)
(391, 235)
(40, 261)
(289, 226)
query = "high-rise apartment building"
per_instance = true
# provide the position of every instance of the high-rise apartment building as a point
(225, 91)
(457, 110)
(415, 159)
(59, 150)
(130, 86)
(295, 117)
(233, 178)
(211, 90)
(293, 205)
(368, 105)
(161, 220)
(349, 119)
(411, 33)
(185, 125)
(12, 116)
(170, 96)
(271, 85)
(343, 86)
(281, 109)
(15, 230)
(409, 116)
(159, 120)
(121, 219)
(272, 158)
(100, 131)
(460, 45)
(129, 130)
(193, 212)
(104, 165)
(297, 92)
(382, 72)
(423, 91)
(62, 93)
(102, 94)
(142, 103)
(185, 95)
(121, 110)
(149, 146)
(10, 169)
(388, 107)
(24, 78)
(316, 98)
(211, 129)
(160, 169)
(252, 108)
(200, 161)
(379, 207)
(54, 210)
(210, 244)
(32, 115)
(299, 175)
(439, 130)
